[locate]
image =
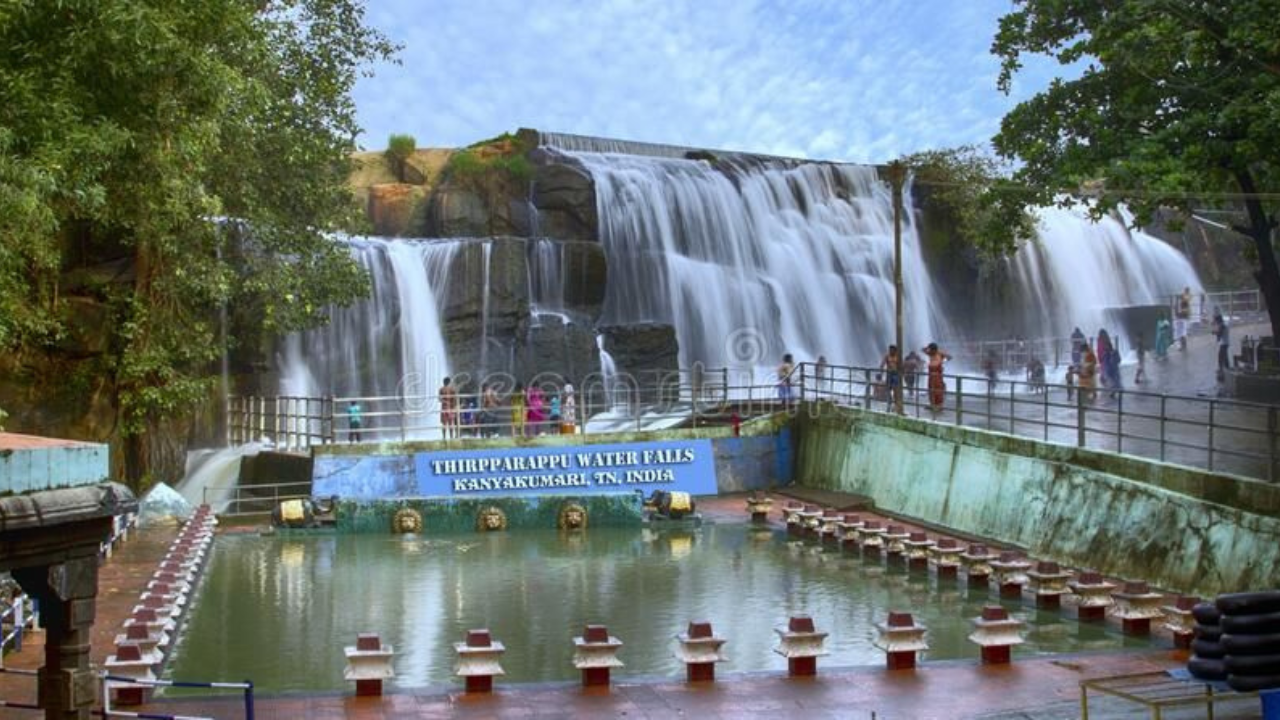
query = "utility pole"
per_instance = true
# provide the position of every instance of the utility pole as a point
(897, 176)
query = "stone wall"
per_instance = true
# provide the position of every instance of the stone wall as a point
(1176, 527)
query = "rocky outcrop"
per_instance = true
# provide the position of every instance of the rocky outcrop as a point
(565, 198)
(396, 209)
(643, 351)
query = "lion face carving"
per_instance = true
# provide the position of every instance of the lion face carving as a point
(491, 519)
(406, 520)
(572, 517)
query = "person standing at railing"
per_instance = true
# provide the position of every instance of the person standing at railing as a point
(1078, 342)
(355, 421)
(569, 411)
(489, 403)
(785, 370)
(1088, 375)
(1164, 339)
(937, 384)
(516, 400)
(1223, 334)
(449, 408)
(820, 374)
(911, 372)
(1182, 318)
(892, 365)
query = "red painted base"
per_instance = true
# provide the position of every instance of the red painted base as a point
(700, 672)
(1010, 590)
(900, 660)
(872, 551)
(995, 655)
(802, 667)
(1139, 627)
(480, 684)
(1182, 641)
(948, 572)
(1091, 613)
(793, 529)
(595, 677)
(849, 544)
(918, 564)
(368, 688)
(895, 558)
(978, 580)
(829, 538)
(759, 517)
(131, 696)
(1048, 602)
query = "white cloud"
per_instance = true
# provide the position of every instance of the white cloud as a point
(839, 79)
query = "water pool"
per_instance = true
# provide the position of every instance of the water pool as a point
(279, 610)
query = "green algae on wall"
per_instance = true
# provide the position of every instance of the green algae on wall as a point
(1058, 503)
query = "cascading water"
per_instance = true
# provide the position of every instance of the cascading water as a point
(546, 277)
(1076, 270)
(388, 345)
(757, 259)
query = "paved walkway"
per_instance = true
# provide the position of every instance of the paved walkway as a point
(1042, 688)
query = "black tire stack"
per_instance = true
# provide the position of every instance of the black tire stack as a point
(1250, 639)
(1207, 653)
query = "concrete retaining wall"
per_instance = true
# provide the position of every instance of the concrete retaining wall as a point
(29, 463)
(1176, 527)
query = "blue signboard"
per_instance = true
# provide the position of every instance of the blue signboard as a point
(685, 465)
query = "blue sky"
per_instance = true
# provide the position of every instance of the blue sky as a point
(853, 80)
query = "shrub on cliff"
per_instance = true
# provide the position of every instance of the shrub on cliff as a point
(399, 149)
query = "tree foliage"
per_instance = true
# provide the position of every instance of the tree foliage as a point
(131, 127)
(1177, 105)
(399, 149)
(989, 211)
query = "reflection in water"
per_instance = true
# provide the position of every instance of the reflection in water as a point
(305, 597)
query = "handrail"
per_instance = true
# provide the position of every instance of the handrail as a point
(1218, 434)
(109, 681)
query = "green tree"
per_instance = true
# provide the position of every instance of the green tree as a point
(132, 126)
(1175, 104)
(399, 149)
(988, 208)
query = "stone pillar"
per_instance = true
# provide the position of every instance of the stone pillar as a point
(66, 592)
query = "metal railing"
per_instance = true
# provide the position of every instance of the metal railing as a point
(1212, 433)
(110, 682)
(16, 619)
(1231, 303)
(255, 499)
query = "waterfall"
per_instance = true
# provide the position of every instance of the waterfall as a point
(1075, 270)
(390, 343)
(754, 258)
(487, 259)
(546, 277)
(608, 371)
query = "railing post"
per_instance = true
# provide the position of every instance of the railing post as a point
(248, 700)
(1211, 421)
(1080, 426)
(1163, 398)
(1045, 402)
(1120, 422)
(959, 398)
(400, 401)
(802, 378)
(327, 425)
(1271, 443)
(1013, 416)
